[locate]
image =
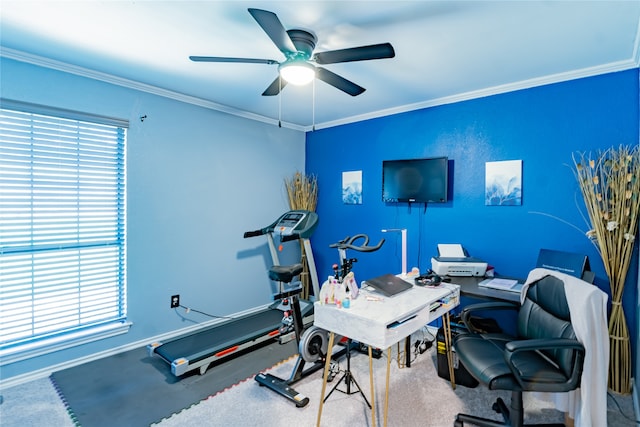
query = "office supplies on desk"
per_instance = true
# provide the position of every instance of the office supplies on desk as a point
(388, 284)
(430, 278)
(453, 260)
(511, 285)
(498, 283)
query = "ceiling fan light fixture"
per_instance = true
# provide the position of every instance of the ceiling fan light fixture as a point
(297, 72)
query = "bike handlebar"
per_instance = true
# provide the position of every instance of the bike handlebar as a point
(348, 243)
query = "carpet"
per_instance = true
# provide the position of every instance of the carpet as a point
(133, 389)
(418, 397)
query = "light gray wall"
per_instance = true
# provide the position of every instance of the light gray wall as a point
(197, 179)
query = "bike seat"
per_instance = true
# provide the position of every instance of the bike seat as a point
(284, 273)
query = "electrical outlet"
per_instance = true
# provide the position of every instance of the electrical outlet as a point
(175, 301)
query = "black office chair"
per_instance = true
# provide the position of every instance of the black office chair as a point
(544, 357)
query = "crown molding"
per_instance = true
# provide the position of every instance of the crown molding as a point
(636, 46)
(143, 87)
(495, 90)
(631, 63)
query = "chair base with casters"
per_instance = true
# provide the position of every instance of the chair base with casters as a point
(513, 415)
(545, 356)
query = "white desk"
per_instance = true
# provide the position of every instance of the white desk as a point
(380, 322)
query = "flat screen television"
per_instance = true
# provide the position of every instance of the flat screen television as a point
(415, 180)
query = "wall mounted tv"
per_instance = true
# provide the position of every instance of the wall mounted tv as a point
(415, 180)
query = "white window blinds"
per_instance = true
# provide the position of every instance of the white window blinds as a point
(62, 224)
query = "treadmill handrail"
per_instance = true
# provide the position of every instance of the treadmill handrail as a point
(254, 233)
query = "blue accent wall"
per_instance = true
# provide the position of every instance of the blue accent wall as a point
(541, 126)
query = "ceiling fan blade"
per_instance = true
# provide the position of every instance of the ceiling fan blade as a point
(339, 82)
(275, 30)
(225, 59)
(362, 53)
(275, 87)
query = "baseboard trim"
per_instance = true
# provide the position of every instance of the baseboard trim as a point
(47, 371)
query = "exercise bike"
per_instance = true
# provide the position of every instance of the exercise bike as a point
(313, 342)
(312, 345)
(342, 274)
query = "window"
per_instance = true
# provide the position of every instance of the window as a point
(62, 226)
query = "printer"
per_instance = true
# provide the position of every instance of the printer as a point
(453, 260)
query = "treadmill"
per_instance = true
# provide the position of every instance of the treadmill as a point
(200, 349)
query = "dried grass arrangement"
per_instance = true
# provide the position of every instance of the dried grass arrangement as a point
(610, 185)
(302, 191)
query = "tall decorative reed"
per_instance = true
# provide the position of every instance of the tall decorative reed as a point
(610, 185)
(302, 191)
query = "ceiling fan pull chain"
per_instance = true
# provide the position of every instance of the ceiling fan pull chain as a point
(313, 107)
(280, 102)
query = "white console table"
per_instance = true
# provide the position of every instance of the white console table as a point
(380, 322)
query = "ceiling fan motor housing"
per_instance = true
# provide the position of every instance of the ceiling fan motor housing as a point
(304, 41)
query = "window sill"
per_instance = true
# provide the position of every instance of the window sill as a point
(42, 347)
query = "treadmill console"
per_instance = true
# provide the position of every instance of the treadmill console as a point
(288, 223)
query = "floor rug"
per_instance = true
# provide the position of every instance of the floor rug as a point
(134, 389)
(417, 397)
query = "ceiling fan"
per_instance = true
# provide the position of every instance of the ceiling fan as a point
(298, 67)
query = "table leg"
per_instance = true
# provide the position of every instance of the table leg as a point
(386, 390)
(447, 341)
(327, 365)
(407, 351)
(373, 395)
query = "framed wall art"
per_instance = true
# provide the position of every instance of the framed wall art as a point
(503, 183)
(352, 188)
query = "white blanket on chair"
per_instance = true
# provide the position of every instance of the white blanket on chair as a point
(588, 307)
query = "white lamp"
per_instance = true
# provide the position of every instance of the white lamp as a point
(297, 72)
(404, 247)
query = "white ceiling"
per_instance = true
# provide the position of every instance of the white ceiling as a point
(445, 50)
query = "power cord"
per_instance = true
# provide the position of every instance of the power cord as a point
(424, 344)
(334, 370)
(189, 310)
(420, 346)
(620, 409)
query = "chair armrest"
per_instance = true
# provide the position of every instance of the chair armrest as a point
(537, 345)
(544, 344)
(465, 315)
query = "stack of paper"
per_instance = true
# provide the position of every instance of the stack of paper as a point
(502, 284)
(451, 250)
